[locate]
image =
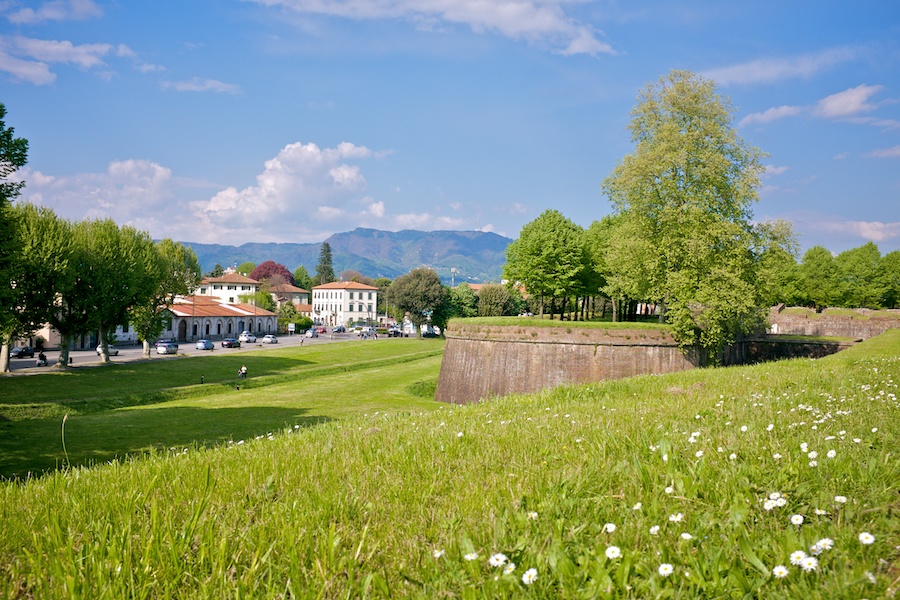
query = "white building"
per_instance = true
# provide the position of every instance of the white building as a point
(228, 288)
(343, 302)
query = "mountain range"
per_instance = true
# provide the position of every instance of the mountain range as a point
(456, 256)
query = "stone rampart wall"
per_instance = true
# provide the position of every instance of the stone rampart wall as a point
(481, 361)
(860, 327)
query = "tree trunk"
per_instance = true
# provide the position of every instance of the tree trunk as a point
(145, 348)
(104, 356)
(4, 356)
(63, 361)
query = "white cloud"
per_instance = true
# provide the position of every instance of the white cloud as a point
(847, 103)
(201, 85)
(885, 153)
(770, 70)
(27, 59)
(774, 170)
(772, 114)
(56, 10)
(535, 21)
(875, 231)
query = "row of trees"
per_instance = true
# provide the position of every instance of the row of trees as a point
(681, 235)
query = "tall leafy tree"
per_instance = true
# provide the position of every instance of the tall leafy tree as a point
(819, 279)
(548, 257)
(685, 194)
(245, 268)
(861, 284)
(463, 301)
(383, 284)
(494, 300)
(269, 269)
(325, 269)
(777, 273)
(890, 279)
(176, 272)
(217, 271)
(13, 156)
(302, 279)
(421, 294)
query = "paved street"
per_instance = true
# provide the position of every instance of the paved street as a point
(131, 352)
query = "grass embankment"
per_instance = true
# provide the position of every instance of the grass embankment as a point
(699, 484)
(538, 322)
(128, 408)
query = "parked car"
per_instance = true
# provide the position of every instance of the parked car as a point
(166, 341)
(22, 352)
(113, 351)
(247, 337)
(311, 333)
(395, 331)
(204, 345)
(339, 329)
(230, 343)
(167, 348)
(321, 329)
(270, 339)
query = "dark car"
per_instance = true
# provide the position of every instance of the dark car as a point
(230, 343)
(167, 341)
(22, 352)
(339, 329)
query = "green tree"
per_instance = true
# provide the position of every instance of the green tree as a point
(324, 270)
(384, 285)
(420, 293)
(245, 268)
(776, 248)
(44, 246)
(217, 271)
(819, 278)
(890, 279)
(13, 156)
(176, 271)
(260, 299)
(685, 195)
(494, 300)
(121, 273)
(861, 281)
(548, 258)
(463, 301)
(301, 278)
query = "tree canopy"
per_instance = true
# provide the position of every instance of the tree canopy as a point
(269, 269)
(324, 270)
(684, 199)
(421, 294)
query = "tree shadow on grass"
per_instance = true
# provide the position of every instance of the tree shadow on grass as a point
(36, 446)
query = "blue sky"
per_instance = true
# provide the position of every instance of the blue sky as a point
(225, 121)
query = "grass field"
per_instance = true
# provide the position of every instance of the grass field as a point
(128, 408)
(773, 481)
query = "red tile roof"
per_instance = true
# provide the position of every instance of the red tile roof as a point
(345, 285)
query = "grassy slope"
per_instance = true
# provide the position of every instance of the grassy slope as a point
(359, 506)
(129, 407)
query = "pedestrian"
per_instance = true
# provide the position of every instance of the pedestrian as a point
(244, 372)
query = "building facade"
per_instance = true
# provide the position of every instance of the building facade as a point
(344, 302)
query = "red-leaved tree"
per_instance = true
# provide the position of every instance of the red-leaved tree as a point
(270, 269)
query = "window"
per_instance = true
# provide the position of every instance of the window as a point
(370, 308)
(232, 287)
(231, 300)
(203, 291)
(125, 328)
(360, 308)
(351, 295)
(217, 287)
(350, 309)
(244, 288)
(370, 296)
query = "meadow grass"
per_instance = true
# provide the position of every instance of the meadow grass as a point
(128, 408)
(701, 484)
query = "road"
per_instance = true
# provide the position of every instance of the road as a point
(83, 358)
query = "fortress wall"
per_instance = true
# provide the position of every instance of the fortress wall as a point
(860, 327)
(481, 361)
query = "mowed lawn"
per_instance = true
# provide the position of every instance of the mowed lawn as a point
(128, 408)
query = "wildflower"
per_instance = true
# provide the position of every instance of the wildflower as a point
(743, 428)
(471, 556)
(781, 501)
(613, 552)
(776, 456)
(497, 560)
(831, 453)
(797, 519)
(770, 427)
(813, 454)
(509, 568)
(460, 434)
(699, 454)
(774, 495)
(866, 538)
(813, 463)
(809, 563)
(686, 536)
(637, 506)
(821, 512)
(609, 528)
(529, 576)
(870, 576)
(769, 504)
(840, 499)
(437, 553)
(666, 569)
(797, 557)
(804, 446)
(732, 456)
(654, 530)
(669, 489)
(665, 458)
(780, 572)
(532, 516)
(678, 518)
(874, 429)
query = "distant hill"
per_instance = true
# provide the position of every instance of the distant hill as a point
(476, 256)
